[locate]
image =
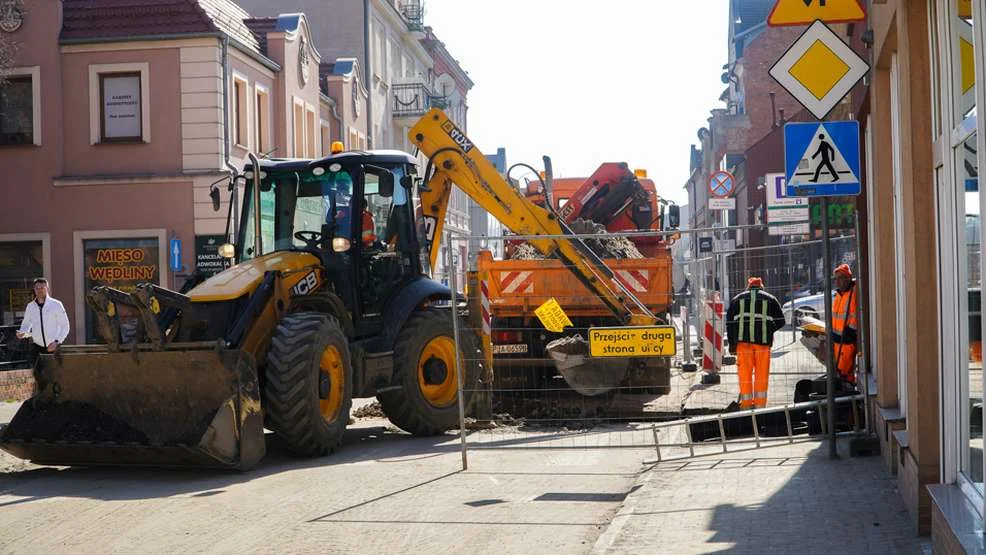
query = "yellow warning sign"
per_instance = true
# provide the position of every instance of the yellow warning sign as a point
(552, 316)
(636, 341)
(804, 12)
(965, 8)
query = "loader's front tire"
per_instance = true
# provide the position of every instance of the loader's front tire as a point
(427, 402)
(308, 386)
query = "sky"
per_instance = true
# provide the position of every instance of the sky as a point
(589, 82)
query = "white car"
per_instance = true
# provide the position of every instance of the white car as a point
(811, 305)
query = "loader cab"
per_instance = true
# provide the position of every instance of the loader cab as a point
(353, 210)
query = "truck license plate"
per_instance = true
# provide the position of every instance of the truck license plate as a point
(516, 349)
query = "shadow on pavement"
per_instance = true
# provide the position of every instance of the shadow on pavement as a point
(849, 505)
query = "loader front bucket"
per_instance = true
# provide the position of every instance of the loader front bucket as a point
(193, 404)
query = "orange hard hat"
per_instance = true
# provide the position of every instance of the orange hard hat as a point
(755, 282)
(844, 270)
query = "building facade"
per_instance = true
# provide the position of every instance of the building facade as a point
(925, 144)
(117, 123)
(406, 67)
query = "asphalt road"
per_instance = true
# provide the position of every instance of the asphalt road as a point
(384, 491)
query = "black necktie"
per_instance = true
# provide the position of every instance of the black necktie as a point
(41, 314)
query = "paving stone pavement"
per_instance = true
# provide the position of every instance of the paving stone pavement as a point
(787, 499)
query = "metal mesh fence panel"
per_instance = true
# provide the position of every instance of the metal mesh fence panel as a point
(536, 388)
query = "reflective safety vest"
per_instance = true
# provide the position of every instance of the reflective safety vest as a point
(844, 314)
(753, 317)
(369, 232)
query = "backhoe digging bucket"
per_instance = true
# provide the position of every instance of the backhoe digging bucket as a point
(194, 404)
(586, 375)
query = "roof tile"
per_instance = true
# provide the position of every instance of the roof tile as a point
(102, 19)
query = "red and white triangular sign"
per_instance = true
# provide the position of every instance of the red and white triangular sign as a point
(804, 12)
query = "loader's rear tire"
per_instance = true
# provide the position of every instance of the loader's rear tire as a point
(308, 386)
(427, 402)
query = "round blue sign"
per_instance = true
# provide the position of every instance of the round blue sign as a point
(721, 184)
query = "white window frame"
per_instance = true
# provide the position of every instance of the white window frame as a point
(899, 227)
(78, 260)
(263, 126)
(95, 100)
(35, 73)
(954, 358)
(240, 115)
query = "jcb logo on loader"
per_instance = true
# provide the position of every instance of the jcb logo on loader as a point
(458, 136)
(306, 285)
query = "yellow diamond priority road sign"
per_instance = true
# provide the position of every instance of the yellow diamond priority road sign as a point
(819, 69)
(803, 12)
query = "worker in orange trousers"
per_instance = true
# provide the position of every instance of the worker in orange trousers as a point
(751, 321)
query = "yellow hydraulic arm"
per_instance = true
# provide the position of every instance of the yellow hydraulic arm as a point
(455, 159)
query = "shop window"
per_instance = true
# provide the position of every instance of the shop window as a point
(121, 264)
(20, 108)
(961, 85)
(970, 282)
(119, 109)
(20, 263)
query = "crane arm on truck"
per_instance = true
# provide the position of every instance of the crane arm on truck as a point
(453, 158)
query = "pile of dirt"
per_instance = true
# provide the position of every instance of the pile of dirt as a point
(69, 421)
(373, 410)
(604, 247)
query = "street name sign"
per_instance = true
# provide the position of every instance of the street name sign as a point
(803, 12)
(632, 341)
(786, 215)
(822, 159)
(819, 69)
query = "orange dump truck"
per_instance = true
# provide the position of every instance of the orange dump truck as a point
(517, 287)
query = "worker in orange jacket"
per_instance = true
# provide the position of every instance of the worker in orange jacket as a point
(844, 323)
(751, 321)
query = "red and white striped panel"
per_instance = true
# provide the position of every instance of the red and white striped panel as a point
(485, 303)
(635, 280)
(517, 282)
(712, 338)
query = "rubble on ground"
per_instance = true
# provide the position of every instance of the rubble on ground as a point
(373, 410)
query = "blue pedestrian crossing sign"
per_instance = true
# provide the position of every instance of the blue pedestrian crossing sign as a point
(821, 159)
(174, 254)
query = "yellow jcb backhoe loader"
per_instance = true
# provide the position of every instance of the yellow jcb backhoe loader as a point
(329, 300)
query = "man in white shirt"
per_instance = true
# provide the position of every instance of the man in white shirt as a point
(45, 320)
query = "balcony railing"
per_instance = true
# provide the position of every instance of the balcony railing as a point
(414, 99)
(413, 13)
